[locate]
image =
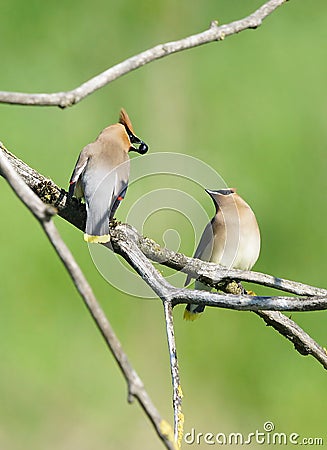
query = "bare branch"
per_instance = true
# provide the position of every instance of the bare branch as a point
(124, 240)
(177, 389)
(214, 33)
(127, 247)
(302, 342)
(43, 213)
(210, 273)
(74, 213)
(40, 210)
(214, 274)
(48, 191)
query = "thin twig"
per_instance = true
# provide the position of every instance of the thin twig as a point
(214, 33)
(131, 253)
(43, 213)
(177, 389)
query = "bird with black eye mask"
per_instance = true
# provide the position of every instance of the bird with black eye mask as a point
(231, 239)
(101, 175)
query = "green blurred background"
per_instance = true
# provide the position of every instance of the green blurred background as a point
(254, 108)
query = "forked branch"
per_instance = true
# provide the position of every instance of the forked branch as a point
(139, 251)
(43, 213)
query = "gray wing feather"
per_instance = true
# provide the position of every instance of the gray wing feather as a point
(204, 248)
(101, 191)
(78, 170)
(120, 187)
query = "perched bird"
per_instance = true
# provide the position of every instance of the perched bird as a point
(231, 239)
(101, 175)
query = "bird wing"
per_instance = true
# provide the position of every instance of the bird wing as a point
(78, 170)
(103, 191)
(120, 186)
(204, 249)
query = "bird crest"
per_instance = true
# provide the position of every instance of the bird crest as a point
(125, 120)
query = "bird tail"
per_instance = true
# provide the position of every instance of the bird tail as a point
(193, 312)
(97, 221)
(92, 239)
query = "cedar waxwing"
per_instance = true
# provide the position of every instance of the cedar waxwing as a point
(231, 239)
(101, 176)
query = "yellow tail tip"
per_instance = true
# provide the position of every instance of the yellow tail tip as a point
(191, 316)
(251, 293)
(96, 239)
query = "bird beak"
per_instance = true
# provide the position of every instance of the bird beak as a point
(140, 146)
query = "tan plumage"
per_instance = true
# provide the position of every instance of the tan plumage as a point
(101, 175)
(231, 239)
(125, 120)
